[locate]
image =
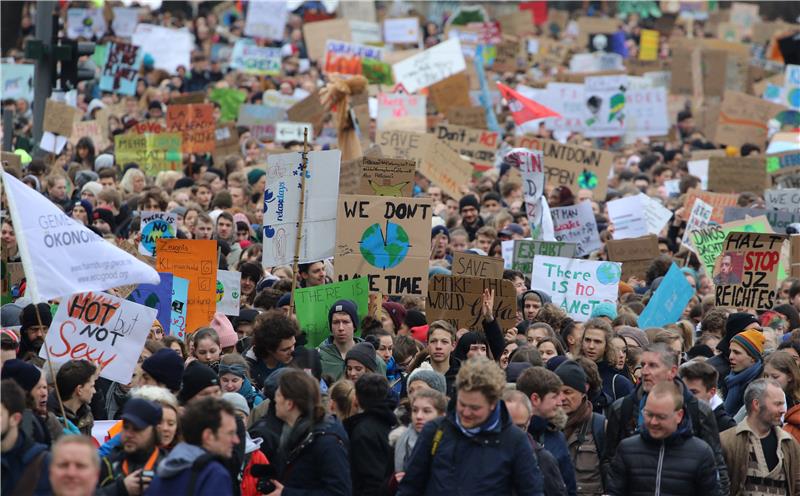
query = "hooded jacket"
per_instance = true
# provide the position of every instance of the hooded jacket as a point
(333, 363)
(174, 473)
(555, 442)
(371, 457)
(792, 422)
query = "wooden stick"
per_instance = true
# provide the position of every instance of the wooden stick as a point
(50, 366)
(301, 213)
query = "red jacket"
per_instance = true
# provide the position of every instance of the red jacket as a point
(249, 482)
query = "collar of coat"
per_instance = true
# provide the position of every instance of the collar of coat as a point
(743, 426)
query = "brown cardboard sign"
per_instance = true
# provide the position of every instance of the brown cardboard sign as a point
(316, 34)
(459, 300)
(717, 200)
(737, 174)
(477, 144)
(58, 118)
(309, 109)
(472, 265)
(386, 176)
(195, 122)
(749, 279)
(11, 160)
(636, 254)
(794, 257)
(743, 119)
(467, 116)
(451, 92)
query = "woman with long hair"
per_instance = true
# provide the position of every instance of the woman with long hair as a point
(781, 367)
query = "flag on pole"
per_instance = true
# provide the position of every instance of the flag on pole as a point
(61, 256)
(524, 109)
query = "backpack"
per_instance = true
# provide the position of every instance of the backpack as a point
(598, 433)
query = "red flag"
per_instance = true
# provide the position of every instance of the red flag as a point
(524, 109)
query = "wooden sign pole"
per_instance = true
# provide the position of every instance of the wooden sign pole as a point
(301, 213)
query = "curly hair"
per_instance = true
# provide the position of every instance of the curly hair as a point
(270, 329)
(482, 375)
(553, 315)
(609, 354)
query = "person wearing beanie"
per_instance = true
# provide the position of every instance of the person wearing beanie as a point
(585, 429)
(103, 161)
(33, 330)
(604, 310)
(393, 316)
(736, 323)
(81, 211)
(23, 373)
(235, 378)
(634, 337)
(440, 239)
(343, 322)
(199, 381)
(83, 177)
(9, 345)
(471, 221)
(745, 350)
(163, 368)
(413, 318)
(10, 315)
(90, 190)
(255, 176)
(224, 328)
(103, 220)
(360, 360)
(425, 377)
(238, 403)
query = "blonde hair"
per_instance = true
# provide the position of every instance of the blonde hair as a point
(479, 374)
(342, 394)
(127, 180)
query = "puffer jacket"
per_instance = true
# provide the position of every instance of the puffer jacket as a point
(792, 422)
(680, 465)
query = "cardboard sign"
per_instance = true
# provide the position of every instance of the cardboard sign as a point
(156, 296)
(405, 30)
(308, 109)
(451, 92)
(469, 264)
(531, 170)
(346, 58)
(106, 330)
(316, 35)
(574, 166)
(282, 207)
(779, 220)
(474, 117)
(260, 119)
(195, 260)
(89, 129)
(743, 119)
(312, 305)
(717, 200)
(196, 124)
(781, 163)
(179, 307)
(59, 117)
(229, 291)
(386, 240)
(525, 250)
(266, 19)
(783, 199)
(154, 226)
(169, 47)
(698, 219)
(576, 286)
(252, 59)
(398, 111)
(635, 254)
(229, 100)
(628, 217)
(576, 224)
(13, 274)
(121, 68)
(459, 301)
(795, 254)
(431, 66)
(286, 132)
(477, 144)
(17, 81)
(668, 302)
(709, 242)
(737, 174)
(153, 152)
(385, 176)
(746, 273)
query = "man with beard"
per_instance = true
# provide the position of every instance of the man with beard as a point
(129, 469)
(23, 460)
(32, 331)
(37, 422)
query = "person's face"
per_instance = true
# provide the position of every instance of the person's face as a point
(203, 196)
(547, 405)
(458, 243)
(519, 285)
(440, 345)
(469, 214)
(571, 399)
(190, 218)
(138, 183)
(39, 395)
(84, 392)
(386, 348)
(203, 230)
(283, 406)
(473, 408)
(531, 307)
(285, 350)
(726, 266)
(386, 322)
(247, 285)
(440, 245)
(660, 416)
(452, 207)
(483, 242)
(207, 351)
(506, 355)
(224, 228)
(654, 371)
(782, 378)
(476, 349)
(622, 354)
(222, 442)
(698, 389)
(137, 440)
(79, 214)
(177, 349)
(36, 335)
(89, 196)
(168, 426)
(74, 470)
(422, 412)
(739, 358)
(230, 383)
(237, 196)
(59, 189)
(491, 206)
(535, 335)
(594, 344)
(7, 235)
(156, 332)
(354, 369)
(436, 194)
(771, 411)
(342, 328)
(706, 286)
(108, 182)
(213, 391)
(315, 275)
(547, 350)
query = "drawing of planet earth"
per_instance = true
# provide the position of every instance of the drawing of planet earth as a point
(384, 250)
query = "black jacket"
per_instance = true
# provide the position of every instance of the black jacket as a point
(724, 421)
(112, 477)
(681, 465)
(548, 465)
(622, 423)
(371, 457)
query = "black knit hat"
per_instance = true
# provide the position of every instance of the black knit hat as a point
(347, 307)
(166, 367)
(415, 318)
(363, 353)
(28, 317)
(23, 373)
(572, 375)
(734, 325)
(468, 201)
(196, 377)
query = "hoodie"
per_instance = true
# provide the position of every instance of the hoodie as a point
(371, 457)
(174, 474)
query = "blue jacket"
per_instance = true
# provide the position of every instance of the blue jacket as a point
(499, 461)
(174, 474)
(555, 442)
(15, 461)
(615, 385)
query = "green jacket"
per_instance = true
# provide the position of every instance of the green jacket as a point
(333, 363)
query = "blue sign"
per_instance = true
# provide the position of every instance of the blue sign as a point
(668, 302)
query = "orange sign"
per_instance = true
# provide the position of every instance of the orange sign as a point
(195, 260)
(196, 122)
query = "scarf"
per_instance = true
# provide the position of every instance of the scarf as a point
(491, 423)
(737, 382)
(578, 417)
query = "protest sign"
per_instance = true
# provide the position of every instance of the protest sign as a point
(316, 34)
(282, 207)
(266, 19)
(399, 31)
(627, 215)
(450, 92)
(253, 59)
(505, 59)
(377, 72)
(791, 86)
(477, 144)
(574, 285)
(385, 239)
(398, 111)
(60, 255)
(575, 166)
(195, 260)
(196, 124)
(717, 200)
(699, 168)
(108, 331)
(85, 23)
(229, 291)
(779, 220)
(11, 160)
(154, 226)
(783, 199)
(606, 102)
(431, 66)
(459, 300)
(736, 174)
(121, 68)
(576, 224)
(346, 58)
(260, 119)
(125, 21)
(286, 132)
(783, 162)
(469, 264)
(89, 129)
(646, 112)
(635, 254)
(312, 305)
(355, 9)
(169, 48)
(746, 273)
(385, 176)
(153, 152)
(179, 306)
(59, 117)
(17, 81)
(656, 215)
(794, 257)
(669, 300)
(708, 242)
(648, 44)
(525, 250)
(743, 119)
(567, 100)
(698, 219)
(274, 98)
(474, 117)
(12, 276)
(531, 170)
(229, 100)
(156, 296)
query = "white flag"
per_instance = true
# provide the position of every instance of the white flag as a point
(60, 255)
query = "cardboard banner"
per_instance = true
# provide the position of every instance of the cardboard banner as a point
(743, 119)
(229, 291)
(282, 207)
(196, 123)
(576, 224)
(59, 117)
(574, 166)
(89, 129)
(474, 117)
(532, 172)
(226, 142)
(708, 242)
(153, 152)
(266, 19)
(576, 286)
(736, 174)
(398, 111)
(451, 92)
(668, 302)
(156, 225)
(431, 66)
(459, 301)
(156, 296)
(345, 58)
(108, 331)
(635, 254)
(179, 307)
(525, 250)
(719, 201)
(477, 144)
(386, 240)
(385, 176)
(252, 59)
(746, 273)
(195, 260)
(262, 119)
(472, 265)
(783, 199)
(312, 305)
(121, 68)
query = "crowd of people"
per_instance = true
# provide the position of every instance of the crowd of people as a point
(395, 402)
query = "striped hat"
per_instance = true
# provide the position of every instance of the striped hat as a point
(752, 340)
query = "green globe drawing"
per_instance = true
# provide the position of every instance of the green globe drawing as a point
(384, 249)
(587, 180)
(609, 273)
